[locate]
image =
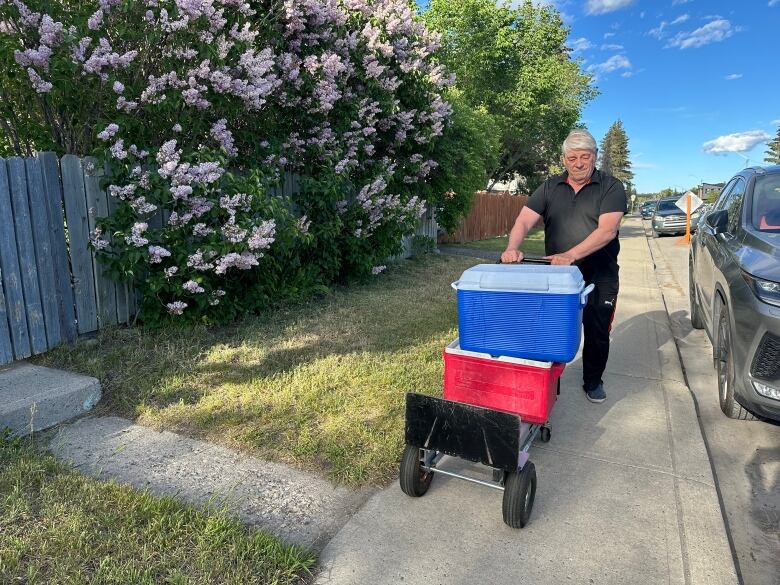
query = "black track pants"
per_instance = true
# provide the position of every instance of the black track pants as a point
(597, 322)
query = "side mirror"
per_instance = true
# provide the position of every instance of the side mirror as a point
(718, 221)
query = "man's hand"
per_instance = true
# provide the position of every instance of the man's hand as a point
(510, 256)
(561, 259)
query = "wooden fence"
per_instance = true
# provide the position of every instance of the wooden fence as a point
(52, 288)
(492, 215)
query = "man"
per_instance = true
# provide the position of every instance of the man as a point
(582, 210)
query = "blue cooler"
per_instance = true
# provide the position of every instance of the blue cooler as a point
(521, 310)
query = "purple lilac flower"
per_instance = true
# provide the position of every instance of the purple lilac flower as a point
(94, 21)
(262, 235)
(157, 253)
(39, 85)
(136, 235)
(108, 132)
(193, 287)
(378, 269)
(220, 133)
(169, 272)
(176, 307)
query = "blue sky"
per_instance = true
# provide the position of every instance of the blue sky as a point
(695, 82)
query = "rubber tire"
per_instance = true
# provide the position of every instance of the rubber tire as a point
(414, 480)
(724, 365)
(696, 319)
(544, 434)
(519, 494)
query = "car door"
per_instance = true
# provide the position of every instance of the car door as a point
(725, 265)
(706, 243)
(722, 246)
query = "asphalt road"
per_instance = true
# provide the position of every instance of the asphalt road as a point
(745, 455)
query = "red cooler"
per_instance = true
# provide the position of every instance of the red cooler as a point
(524, 387)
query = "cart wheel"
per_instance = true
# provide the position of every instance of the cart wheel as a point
(544, 434)
(519, 492)
(414, 480)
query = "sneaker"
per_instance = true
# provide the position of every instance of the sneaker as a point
(596, 394)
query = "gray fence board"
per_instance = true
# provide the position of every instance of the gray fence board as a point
(39, 219)
(17, 178)
(52, 188)
(6, 347)
(12, 279)
(97, 205)
(78, 235)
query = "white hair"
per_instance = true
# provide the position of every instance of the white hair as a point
(580, 139)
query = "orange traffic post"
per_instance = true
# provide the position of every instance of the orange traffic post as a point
(686, 239)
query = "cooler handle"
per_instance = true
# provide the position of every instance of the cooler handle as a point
(529, 260)
(585, 293)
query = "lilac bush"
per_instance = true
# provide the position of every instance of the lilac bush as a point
(201, 106)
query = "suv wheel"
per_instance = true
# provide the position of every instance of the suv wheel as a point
(696, 320)
(724, 363)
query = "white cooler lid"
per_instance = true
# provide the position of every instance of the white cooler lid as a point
(521, 278)
(454, 348)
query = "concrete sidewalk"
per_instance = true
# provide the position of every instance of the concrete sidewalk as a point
(625, 490)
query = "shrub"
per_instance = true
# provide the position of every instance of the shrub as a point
(201, 106)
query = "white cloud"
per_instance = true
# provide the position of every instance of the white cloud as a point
(676, 2)
(642, 14)
(773, 2)
(738, 142)
(712, 32)
(611, 47)
(733, 76)
(641, 165)
(608, 35)
(680, 19)
(658, 31)
(614, 63)
(604, 6)
(775, 122)
(580, 44)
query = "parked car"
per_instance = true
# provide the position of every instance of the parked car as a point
(670, 219)
(734, 276)
(646, 209)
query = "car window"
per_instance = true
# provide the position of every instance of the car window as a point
(765, 211)
(721, 200)
(666, 205)
(733, 205)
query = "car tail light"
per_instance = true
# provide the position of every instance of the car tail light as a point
(766, 290)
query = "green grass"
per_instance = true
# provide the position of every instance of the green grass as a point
(532, 246)
(57, 526)
(320, 385)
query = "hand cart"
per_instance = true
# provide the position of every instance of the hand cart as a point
(436, 427)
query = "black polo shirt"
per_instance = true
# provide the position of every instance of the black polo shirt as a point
(569, 218)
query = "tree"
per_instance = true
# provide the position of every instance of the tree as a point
(515, 64)
(614, 157)
(466, 153)
(773, 152)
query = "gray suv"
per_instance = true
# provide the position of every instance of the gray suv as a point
(734, 276)
(670, 219)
